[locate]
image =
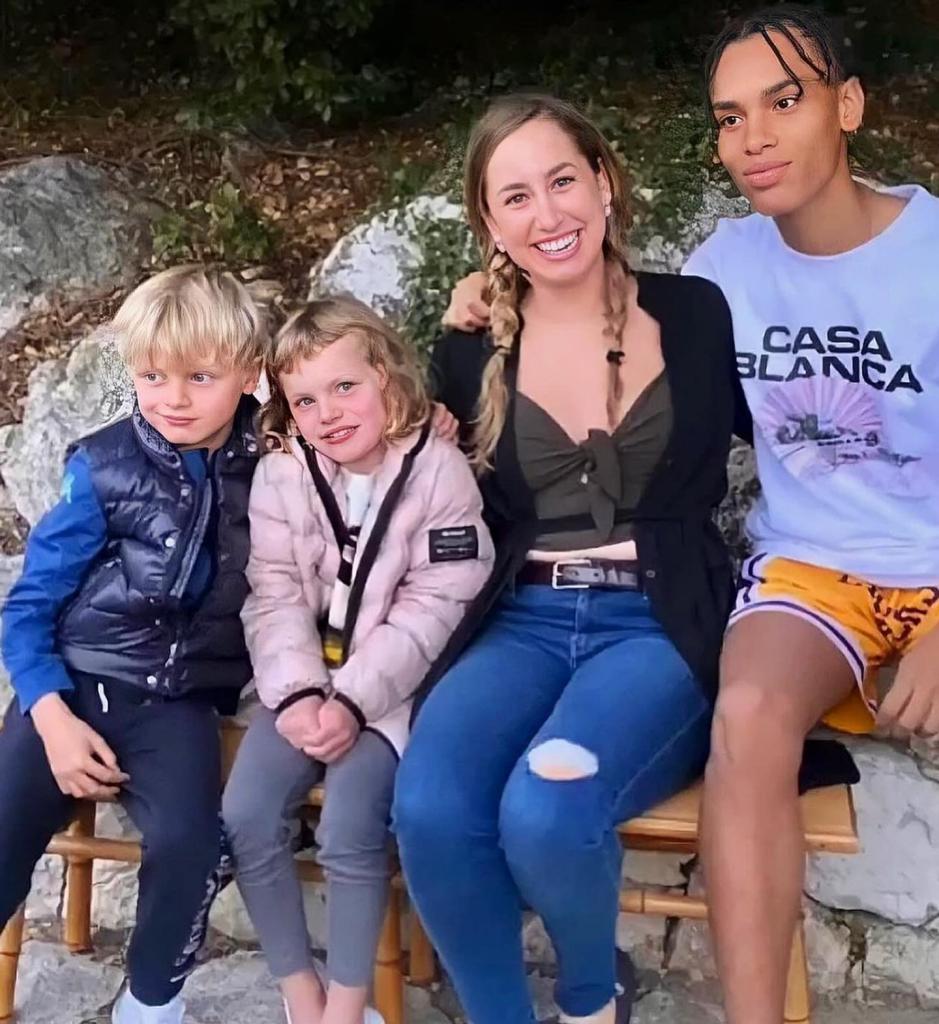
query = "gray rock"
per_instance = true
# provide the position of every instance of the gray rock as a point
(54, 987)
(420, 1008)
(235, 989)
(666, 255)
(676, 1006)
(834, 968)
(47, 892)
(67, 399)
(902, 961)
(373, 261)
(895, 874)
(643, 936)
(742, 489)
(66, 228)
(680, 1000)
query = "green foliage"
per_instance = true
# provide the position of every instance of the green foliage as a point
(448, 253)
(669, 159)
(404, 178)
(225, 226)
(285, 53)
(173, 238)
(890, 160)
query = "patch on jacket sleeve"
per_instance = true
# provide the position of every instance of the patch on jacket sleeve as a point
(454, 544)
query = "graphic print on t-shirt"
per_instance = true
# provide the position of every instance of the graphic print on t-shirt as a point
(819, 425)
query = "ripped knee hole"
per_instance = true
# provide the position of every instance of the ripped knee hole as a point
(562, 761)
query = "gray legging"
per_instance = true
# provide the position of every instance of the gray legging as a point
(268, 784)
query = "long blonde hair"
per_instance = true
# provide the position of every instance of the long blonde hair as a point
(320, 323)
(506, 283)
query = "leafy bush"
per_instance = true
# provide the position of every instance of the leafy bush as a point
(225, 226)
(283, 53)
(448, 253)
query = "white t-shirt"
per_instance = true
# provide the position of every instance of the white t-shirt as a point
(359, 488)
(839, 358)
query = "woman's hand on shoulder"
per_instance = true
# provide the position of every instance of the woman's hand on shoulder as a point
(443, 423)
(468, 309)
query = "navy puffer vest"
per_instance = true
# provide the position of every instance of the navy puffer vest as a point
(128, 622)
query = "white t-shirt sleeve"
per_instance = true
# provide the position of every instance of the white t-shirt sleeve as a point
(701, 262)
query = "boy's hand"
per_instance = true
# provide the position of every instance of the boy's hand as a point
(912, 705)
(299, 723)
(337, 733)
(84, 765)
(444, 423)
(468, 310)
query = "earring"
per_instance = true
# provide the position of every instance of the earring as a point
(606, 209)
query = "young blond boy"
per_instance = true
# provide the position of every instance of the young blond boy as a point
(122, 636)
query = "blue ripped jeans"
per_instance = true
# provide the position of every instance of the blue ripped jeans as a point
(481, 833)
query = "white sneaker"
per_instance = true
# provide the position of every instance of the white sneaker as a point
(605, 1015)
(129, 1010)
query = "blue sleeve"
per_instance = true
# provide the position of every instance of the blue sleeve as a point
(60, 550)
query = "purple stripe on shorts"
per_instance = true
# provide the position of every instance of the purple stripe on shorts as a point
(750, 578)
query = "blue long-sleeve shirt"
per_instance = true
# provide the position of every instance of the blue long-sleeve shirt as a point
(61, 550)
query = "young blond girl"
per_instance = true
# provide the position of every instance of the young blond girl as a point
(367, 543)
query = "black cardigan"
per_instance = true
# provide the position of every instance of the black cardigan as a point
(684, 563)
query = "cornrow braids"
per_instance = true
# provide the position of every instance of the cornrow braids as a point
(504, 286)
(810, 32)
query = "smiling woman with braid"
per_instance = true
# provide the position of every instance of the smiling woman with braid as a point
(598, 411)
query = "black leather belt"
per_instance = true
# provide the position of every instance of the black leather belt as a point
(582, 573)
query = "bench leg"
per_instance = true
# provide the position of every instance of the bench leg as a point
(80, 871)
(798, 997)
(389, 979)
(11, 940)
(422, 963)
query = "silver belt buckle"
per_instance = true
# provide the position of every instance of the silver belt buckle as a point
(556, 569)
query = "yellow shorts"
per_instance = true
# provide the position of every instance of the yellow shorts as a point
(869, 624)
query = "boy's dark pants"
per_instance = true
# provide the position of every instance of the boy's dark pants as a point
(170, 750)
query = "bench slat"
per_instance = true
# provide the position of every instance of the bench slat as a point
(828, 816)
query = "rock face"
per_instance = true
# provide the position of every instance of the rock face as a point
(372, 262)
(667, 255)
(898, 817)
(65, 228)
(67, 399)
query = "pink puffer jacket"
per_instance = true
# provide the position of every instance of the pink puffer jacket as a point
(415, 595)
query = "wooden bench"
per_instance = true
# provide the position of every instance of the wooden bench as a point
(672, 827)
